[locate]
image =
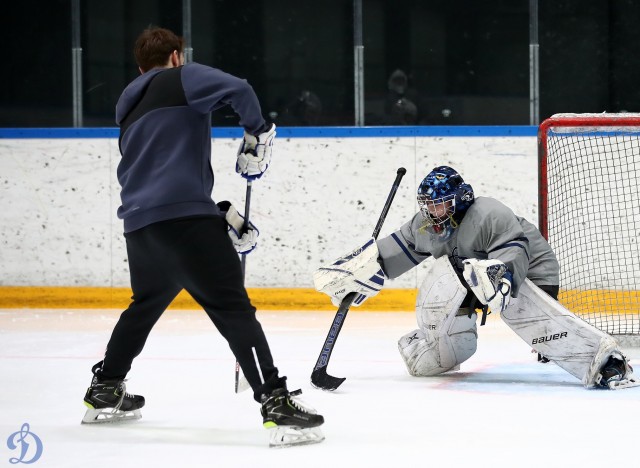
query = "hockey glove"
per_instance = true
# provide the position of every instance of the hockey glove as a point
(358, 271)
(243, 241)
(490, 281)
(254, 154)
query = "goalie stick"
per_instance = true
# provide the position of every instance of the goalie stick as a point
(319, 377)
(241, 383)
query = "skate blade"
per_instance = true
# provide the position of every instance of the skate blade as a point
(291, 436)
(627, 382)
(109, 415)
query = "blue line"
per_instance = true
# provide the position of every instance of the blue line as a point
(24, 133)
(297, 132)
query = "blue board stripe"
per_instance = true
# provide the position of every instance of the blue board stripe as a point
(297, 132)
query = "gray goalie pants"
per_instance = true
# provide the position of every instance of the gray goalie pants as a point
(197, 255)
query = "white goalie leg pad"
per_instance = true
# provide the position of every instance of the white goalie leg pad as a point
(421, 358)
(447, 335)
(289, 436)
(555, 332)
(439, 298)
(445, 353)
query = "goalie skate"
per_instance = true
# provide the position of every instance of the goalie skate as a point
(627, 382)
(289, 420)
(617, 373)
(108, 402)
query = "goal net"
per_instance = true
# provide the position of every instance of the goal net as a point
(589, 198)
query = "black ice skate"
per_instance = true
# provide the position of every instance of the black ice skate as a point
(107, 401)
(617, 373)
(290, 421)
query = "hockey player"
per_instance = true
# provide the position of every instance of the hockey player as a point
(179, 238)
(484, 254)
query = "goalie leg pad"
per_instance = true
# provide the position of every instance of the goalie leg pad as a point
(422, 358)
(555, 332)
(439, 298)
(444, 353)
(447, 335)
(441, 319)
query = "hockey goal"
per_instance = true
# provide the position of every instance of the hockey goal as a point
(589, 200)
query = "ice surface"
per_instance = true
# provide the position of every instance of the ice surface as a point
(502, 409)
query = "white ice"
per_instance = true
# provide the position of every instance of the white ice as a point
(503, 409)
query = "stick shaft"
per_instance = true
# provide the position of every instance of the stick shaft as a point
(341, 314)
(245, 226)
(387, 204)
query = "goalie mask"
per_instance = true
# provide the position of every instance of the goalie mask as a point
(444, 198)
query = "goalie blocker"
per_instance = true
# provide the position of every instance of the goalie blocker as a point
(358, 271)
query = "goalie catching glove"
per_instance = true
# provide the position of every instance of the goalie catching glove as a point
(254, 154)
(243, 241)
(358, 271)
(490, 281)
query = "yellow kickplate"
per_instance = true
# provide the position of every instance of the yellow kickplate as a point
(40, 297)
(63, 297)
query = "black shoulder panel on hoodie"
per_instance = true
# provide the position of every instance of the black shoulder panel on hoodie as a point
(164, 90)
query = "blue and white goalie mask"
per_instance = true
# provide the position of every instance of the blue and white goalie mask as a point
(444, 198)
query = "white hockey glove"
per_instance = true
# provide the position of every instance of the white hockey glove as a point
(254, 154)
(490, 281)
(358, 271)
(243, 241)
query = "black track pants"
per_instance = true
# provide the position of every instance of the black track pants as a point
(195, 254)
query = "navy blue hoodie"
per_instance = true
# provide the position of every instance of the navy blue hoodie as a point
(165, 140)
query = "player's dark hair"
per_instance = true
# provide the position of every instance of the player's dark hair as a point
(154, 46)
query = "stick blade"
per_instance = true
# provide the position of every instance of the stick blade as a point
(242, 383)
(320, 379)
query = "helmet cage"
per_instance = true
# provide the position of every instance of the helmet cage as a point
(443, 198)
(429, 206)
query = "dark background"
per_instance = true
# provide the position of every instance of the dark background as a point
(466, 62)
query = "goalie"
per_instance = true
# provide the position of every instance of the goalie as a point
(486, 257)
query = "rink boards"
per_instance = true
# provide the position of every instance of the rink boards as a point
(61, 244)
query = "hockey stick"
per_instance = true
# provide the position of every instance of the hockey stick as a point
(245, 226)
(241, 381)
(319, 377)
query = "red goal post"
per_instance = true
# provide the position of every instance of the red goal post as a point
(589, 211)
